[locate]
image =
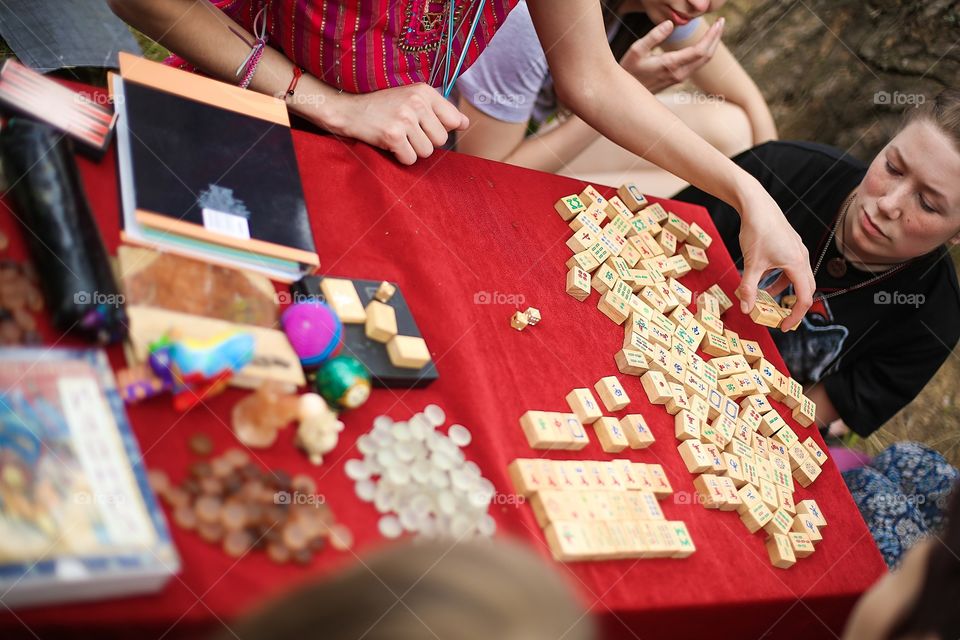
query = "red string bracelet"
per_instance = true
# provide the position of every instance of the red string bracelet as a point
(297, 72)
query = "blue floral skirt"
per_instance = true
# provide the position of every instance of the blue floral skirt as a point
(902, 495)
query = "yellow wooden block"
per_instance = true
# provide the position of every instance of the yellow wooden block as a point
(656, 387)
(816, 453)
(802, 546)
(811, 509)
(385, 291)
(578, 283)
(381, 323)
(631, 362)
(614, 307)
(715, 345)
(806, 473)
(408, 352)
(569, 206)
(780, 550)
(611, 436)
(584, 406)
(781, 523)
(342, 297)
(766, 315)
(631, 196)
(686, 426)
(612, 394)
(519, 321)
(694, 456)
(636, 430)
(698, 237)
(591, 196)
(585, 260)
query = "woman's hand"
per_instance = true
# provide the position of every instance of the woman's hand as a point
(769, 242)
(658, 72)
(409, 122)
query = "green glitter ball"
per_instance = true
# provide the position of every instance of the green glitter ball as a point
(343, 382)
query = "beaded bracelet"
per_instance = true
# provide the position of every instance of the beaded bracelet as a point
(249, 65)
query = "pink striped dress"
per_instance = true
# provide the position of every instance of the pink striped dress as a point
(365, 45)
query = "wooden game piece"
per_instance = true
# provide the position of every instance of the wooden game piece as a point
(656, 387)
(381, 323)
(732, 469)
(811, 509)
(623, 291)
(533, 315)
(612, 394)
(615, 207)
(686, 426)
(806, 412)
(677, 226)
(587, 219)
(695, 257)
(715, 345)
(661, 485)
(631, 196)
(650, 296)
(581, 240)
(408, 352)
(708, 491)
(694, 456)
(584, 406)
(766, 315)
(781, 523)
(636, 430)
(806, 473)
(786, 500)
(751, 350)
(631, 362)
(610, 435)
(667, 242)
(679, 402)
(768, 490)
(756, 516)
(677, 266)
(780, 550)
(550, 505)
(585, 260)
(708, 303)
(801, 544)
(613, 306)
(519, 321)
(630, 254)
(343, 298)
(685, 546)
(683, 294)
(803, 523)
(770, 423)
(711, 322)
(525, 475)
(590, 196)
(540, 431)
(576, 435)
(569, 206)
(578, 283)
(568, 542)
(731, 499)
(794, 393)
(656, 212)
(601, 250)
(682, 317)
(698, 237)
(612, 242)
(816, 453)
(699, 407)
(385, 291)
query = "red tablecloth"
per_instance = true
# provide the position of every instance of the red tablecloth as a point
(449, 230)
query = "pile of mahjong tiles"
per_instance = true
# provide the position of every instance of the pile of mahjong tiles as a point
(419, 479)
(601, 510)
(745, 455)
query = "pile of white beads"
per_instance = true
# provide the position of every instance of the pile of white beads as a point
(419, 479)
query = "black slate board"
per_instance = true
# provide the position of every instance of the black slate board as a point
(371, 353)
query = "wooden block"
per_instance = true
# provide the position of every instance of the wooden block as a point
(811, 509)
(766, 315)
(636, 430)
(525, 475)
(679, 402)
(385, 291)
(698, 237)
(585, 260)
(725, 302)
(568, 542)
(786, 500)
(751, 350)
(610, 435)
(544, 430)
(533, 315)
(576, 435)
(806, 412)
(757, 402)
(630, 255)
(806, 473)
(613, 306)
(601, 250)
(631, 362)
(755, 517)
(731, 499)
(794, 393)
(381, 323)
(631, 196)
(694, 456)
(816, 453)
(699, 407)
(615, 207)
(519, 321)
(780, 550)
(733, 470)
(802, 546)
(803, 523)
(569, 206)
(686, 426)
(589, 220)
(667, 242)
(591, 196)
(780, 524)
(771, 423)
(708, 491)
(584, 406)
(581, 240)
(611, 393)
(695, 257)
(715, 345)
(578, 283)
(685, 547)
(343, 298)
(768, 492)
(711, 322)
(661, 485)
(656, 387)
(408, 352)
(677, 267)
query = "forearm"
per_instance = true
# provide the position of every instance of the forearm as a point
(201, 34)
(555, 148)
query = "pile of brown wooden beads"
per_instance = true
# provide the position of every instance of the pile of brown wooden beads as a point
(19, 300)
(229, 500)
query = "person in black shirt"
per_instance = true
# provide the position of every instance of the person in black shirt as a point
(886, 312)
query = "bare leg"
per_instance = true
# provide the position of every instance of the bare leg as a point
(722, 124)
